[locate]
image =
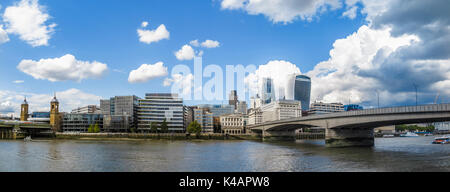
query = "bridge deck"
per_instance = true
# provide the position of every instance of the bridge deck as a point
(436, 108)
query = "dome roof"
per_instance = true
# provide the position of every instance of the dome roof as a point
(54, 100)
(25, 101)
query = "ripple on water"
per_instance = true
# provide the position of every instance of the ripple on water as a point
(389, 154)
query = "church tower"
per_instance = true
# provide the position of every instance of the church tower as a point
(24, 110)
(54, 114)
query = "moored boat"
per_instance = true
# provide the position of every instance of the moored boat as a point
(27, 139)
(441, 140)
(409, 134)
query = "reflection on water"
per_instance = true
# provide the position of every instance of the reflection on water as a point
(389, 154)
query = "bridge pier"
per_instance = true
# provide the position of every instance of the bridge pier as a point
(278, 135)
(7, 134)
(354, 137)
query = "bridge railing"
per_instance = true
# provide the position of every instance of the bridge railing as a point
(390, 110)
(376, 111)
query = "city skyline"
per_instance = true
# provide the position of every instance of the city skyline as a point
(353, 50)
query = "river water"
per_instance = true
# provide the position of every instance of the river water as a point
(389, 154)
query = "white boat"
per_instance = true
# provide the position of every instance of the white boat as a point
(27, 139)
(409, 134)
(388, 136)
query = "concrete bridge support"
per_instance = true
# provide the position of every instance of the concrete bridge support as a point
(354, 137)
(278, 135)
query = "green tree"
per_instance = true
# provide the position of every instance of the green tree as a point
(91, 129)
(96, 128)
(194, 127)
(154, 127)
(413, 128)
(164, 127)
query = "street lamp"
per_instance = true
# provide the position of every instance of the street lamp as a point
(378, 98)
(415, 87)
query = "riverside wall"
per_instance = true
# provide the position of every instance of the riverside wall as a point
(154, 136)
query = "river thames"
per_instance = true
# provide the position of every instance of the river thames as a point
(389, 154)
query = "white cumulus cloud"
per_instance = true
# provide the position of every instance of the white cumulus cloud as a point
(68, 100)
(64, 68)
(181, 84)
(151, 36)
(210, 44)
(282, 73)
(351, 12)
(29, 20)
(3, 35)
(185, 53)
(194, 43)
(147, 72)
(284, 11)
(341, 77)
(144, 24)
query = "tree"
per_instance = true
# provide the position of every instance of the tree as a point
(91, 129)
(154, 127)
(413, 128)
(164, 127)
(194, 127)
(96, 128)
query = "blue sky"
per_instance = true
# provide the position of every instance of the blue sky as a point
(105, 31)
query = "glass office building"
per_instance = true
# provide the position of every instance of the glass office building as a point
(218, 110)
(204, 117)
(76, 122)
(121, 106)
(157, 107)
(267, 91)
(302, 91)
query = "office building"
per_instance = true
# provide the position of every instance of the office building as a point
(242, 107)
(216, 125)
(255, 116)
(283, 109)
(157, 107)
(267, 91)
(105, 106)
(204, 117)
(218, 110)
(302, 90)
(121, 106)
(188, 115)
(116, 123)
(255, 102)
(324, 108)
(442, 126)
(233, 124)
(233, 98)
(76, 122)
(87, 109)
